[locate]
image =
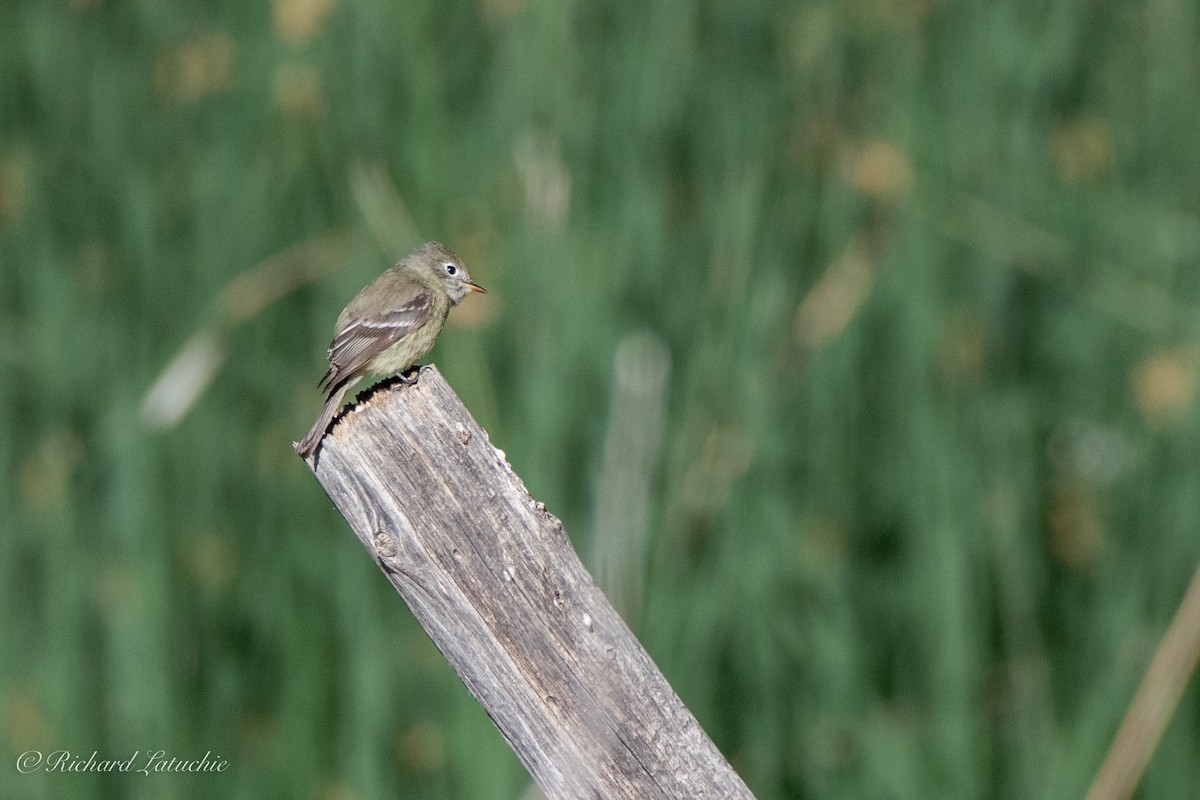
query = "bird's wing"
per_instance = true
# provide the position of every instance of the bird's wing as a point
(355, 345)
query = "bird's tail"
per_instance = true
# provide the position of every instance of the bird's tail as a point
(307, 446)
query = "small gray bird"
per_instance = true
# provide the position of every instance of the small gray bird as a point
(390, 325)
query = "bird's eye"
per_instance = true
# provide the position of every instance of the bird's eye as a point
(451, 269)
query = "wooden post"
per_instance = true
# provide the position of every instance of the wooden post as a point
(495, 582)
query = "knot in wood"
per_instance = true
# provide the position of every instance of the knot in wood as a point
(385, 546)
(462, 433)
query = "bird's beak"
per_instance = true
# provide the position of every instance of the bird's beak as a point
(475, 287)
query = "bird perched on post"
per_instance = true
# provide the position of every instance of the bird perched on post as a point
(390, 325)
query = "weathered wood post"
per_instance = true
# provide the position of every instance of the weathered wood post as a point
(495, 582)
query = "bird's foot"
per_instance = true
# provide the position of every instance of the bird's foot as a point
(410, 376)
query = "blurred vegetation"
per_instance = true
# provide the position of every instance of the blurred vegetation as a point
(925, 273)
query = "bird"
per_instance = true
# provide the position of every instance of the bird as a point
(389, 326)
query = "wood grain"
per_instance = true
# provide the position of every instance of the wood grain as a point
(494, 580)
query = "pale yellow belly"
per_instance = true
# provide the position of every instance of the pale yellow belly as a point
(410, 349)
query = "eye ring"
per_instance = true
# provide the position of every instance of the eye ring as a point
(451, 268)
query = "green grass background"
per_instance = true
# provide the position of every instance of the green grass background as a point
(927, 273)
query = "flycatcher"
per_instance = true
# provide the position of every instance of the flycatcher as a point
(390, 325)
